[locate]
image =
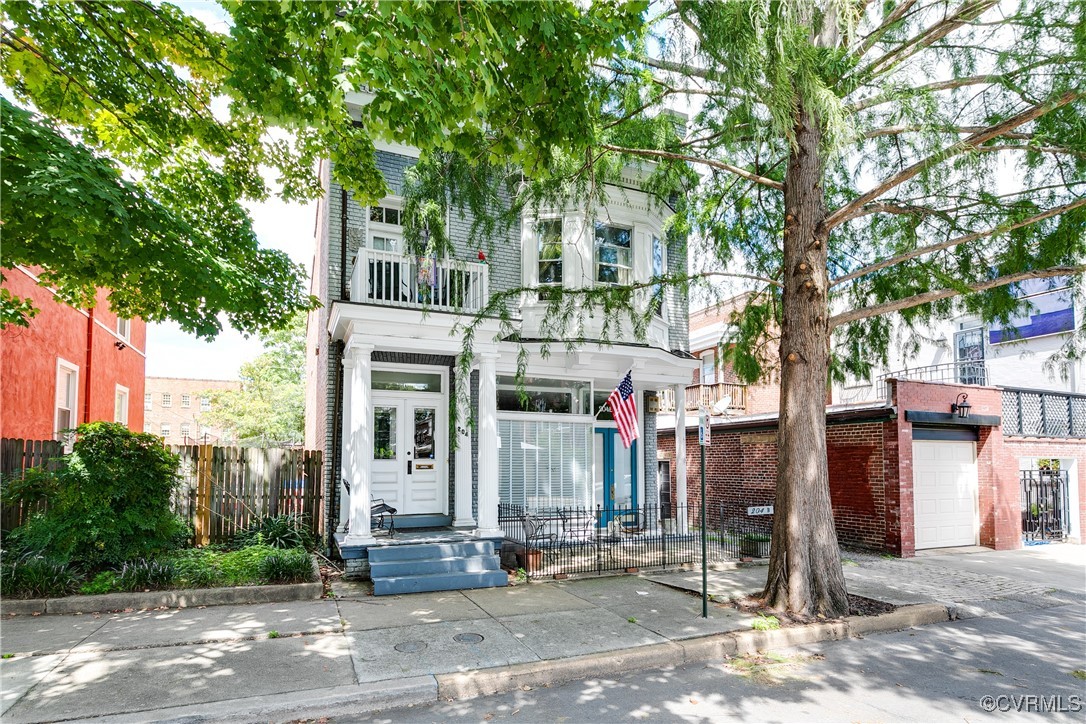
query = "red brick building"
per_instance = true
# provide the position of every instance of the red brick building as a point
(69, 366)
(911, 474)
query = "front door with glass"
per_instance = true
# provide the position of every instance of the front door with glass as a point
(409, 452)
(615, 477)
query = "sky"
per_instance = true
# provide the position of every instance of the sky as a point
(278, 225)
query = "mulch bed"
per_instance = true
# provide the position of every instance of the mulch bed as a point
(857, 606)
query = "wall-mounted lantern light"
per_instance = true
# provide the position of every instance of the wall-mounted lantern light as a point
(961, 406)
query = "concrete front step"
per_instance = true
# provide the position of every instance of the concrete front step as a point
(469, 564)
(438, 582)
(430, 551)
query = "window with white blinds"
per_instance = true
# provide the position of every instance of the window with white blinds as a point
(543, 464)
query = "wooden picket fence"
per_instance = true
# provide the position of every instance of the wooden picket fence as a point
(223, 489)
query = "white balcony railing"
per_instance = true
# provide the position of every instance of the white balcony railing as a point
(708, 395)
(396, 280)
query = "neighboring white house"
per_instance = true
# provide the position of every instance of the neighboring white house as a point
(381, 377)
(966, 351)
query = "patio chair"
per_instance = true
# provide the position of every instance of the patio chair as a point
(578, 527)
(379, 509)
(537, 536)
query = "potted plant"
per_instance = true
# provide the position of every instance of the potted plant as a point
(755, 545)
(533, 559)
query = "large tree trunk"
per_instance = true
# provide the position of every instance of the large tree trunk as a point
(805, 573)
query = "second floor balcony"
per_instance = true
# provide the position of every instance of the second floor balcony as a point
(971, 372)
(719, 397)
(392, 279)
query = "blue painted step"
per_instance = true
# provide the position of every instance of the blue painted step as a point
(470, 564)
(425, 551)
(439, 582)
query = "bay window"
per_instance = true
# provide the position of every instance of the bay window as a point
(549, 245)
(613, 244)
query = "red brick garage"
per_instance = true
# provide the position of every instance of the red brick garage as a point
(873, 469)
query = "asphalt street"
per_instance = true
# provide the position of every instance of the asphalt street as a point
(1020, 666)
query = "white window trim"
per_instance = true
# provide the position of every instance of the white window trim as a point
(119, 390)
(124, 328)
(165, 431)
(655, 236)
(383, 230)
(205, 399)
(707, 354)
(167, 399)
(186, 401)
(632, 228)
(148, 401)
(535, 281)
(65, 365)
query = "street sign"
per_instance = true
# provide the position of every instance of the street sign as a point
(704, 428)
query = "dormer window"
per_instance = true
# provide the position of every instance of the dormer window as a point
(549, 240)
(614, 263)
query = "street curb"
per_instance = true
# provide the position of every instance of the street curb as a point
(484, 682)
(184, 598)
(306, 704)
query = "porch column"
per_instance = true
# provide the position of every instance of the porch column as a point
(488, 445)
(358, 438)
(463, 481)
(680, 458)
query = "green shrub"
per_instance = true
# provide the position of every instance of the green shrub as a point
(104, 582)
(144, 575)
(287, 566)
(32, 486)
(36, 576)
(112, 503)
(242, 567)
(287, 530)
(197, 568)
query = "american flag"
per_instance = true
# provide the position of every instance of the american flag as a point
(624, 408)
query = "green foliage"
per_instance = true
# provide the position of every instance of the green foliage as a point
(286, 566)
(15, 311)
(283, 531)
(113, 501)
(273, 634)
(146, 575)
(33, 486)
(765, 623)
(138, 86)
(36, 576)
(269, 408)
(103, 582)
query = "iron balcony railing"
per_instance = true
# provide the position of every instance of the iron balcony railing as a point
(708, 395)
(1039, 413)
(398, 280)
(960, 373)
(599, 539)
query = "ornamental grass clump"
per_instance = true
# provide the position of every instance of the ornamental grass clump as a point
(286, 566)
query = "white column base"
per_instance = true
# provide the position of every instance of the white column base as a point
(464, 523)
(489, 533)
(362, 540)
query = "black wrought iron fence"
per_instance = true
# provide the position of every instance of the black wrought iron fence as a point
(601, 539)
(1046, 507)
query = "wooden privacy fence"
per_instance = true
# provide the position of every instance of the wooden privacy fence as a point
(223, 489)
(16, 455)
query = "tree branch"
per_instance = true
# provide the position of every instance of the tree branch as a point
(742, 173)
(892, 261)
(934, 296)
(873, 37)
(916, 128)
(847, 211)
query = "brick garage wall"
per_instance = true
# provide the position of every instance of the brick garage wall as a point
(1017, 448)
(741, 471)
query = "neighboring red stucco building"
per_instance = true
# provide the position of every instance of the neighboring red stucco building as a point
(69, 366)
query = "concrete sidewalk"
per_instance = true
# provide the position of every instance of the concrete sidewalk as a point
(359, 653)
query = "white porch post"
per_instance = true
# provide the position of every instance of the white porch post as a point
(680, 458)
(488, 445)
(462, 501)
(358, 438)
(345, 443)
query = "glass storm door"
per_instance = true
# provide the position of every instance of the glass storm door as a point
(408, 450)
(615, 475)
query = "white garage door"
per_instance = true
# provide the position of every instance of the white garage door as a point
(944, 493)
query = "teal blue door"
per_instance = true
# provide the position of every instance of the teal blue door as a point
(616, 476)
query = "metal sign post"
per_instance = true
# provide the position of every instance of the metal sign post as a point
(704, 435)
